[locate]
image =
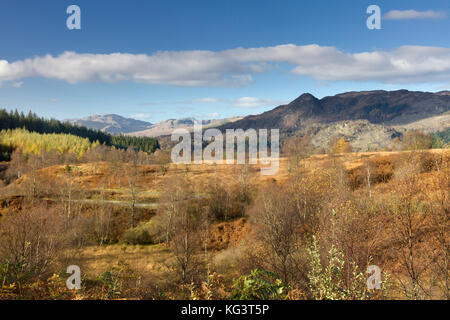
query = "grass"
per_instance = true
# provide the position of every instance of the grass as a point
(144, 259)
(156, 260)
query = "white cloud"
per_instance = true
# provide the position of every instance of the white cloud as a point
(213, 115)
(17, 84)
(193, 101)
(252, 102)
(141, 116)
(242, 102)
(413, 14)
(204, 100)
(236, 67)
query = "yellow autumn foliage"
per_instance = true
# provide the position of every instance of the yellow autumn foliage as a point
(35, 143)
(341, 146)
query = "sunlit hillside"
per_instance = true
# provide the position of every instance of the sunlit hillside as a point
(140, 227)
(35, 143)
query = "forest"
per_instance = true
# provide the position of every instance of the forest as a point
(33, 123)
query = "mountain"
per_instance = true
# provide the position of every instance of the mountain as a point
(111, 123)
(166, 127)
(378, 107)
(366, 119)
(115, 124)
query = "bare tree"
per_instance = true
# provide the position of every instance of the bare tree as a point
(185, 242)
(18, 165)
(408, 225)
(133, 174)
(103, 218)
(297, 150)
(171, 203)
(162, 159)
(32, 185)
(182, 219)
(279, 223)
(116, 160)
(29, 241)
(96, 155)
(368, 172)
(440, 224)
(244, 181)
(67, 189)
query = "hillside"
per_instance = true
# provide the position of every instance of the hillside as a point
(367, 119)
(31, 122)
(111, 123)
(116, 124)
(428, 125)
(166, 127)
(378, 115)
(34, 143)
(96, 200)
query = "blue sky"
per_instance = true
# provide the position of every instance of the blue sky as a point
(155, 60)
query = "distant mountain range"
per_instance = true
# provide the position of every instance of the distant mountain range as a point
(166, 127)
(115, 124)
(111, 123)
(378, 107)
(368, 119)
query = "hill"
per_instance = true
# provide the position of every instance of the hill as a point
(33, 123)
(111, 123)
(379, 115)
(89, 207)
(34, 143)
(166, 127)
(116, 124)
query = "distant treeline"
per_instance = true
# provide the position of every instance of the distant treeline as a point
(444, 135)
(144, 144)
(33, 123)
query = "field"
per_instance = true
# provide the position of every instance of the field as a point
(115, 219)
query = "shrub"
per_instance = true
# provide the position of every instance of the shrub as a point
(327, 282)
(340, 146)
(119, 281)
(416, 140)
(225, 205)
(29, 241)
(139, 235)
(259, 285)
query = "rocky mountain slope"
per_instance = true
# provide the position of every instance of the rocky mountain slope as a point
(166, 127)
(111, 123)
(115, 124)
(368, 119)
